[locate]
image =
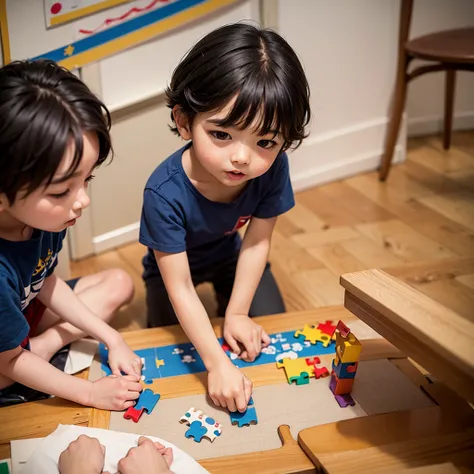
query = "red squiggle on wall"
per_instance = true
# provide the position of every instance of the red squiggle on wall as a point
(118, 19)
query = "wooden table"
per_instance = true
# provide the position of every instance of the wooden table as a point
(437, 337)
(366, 438)
(39, 419)
(427, 311)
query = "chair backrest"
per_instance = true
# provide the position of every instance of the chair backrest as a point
(406, 10)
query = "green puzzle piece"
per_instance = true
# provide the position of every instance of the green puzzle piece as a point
(302, 379)
(4, 468)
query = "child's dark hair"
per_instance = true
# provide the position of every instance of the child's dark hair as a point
(42, 107)
(255, 65)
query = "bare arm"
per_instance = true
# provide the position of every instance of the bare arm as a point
(250, 266)
(59, 298)
(227, 385)
(112, 393)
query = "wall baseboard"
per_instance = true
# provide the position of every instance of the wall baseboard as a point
(342, 153)
(432, 124)
(116, 238)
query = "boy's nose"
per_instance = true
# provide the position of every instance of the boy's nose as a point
(241, 155)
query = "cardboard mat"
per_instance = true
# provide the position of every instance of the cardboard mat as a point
(379, 388)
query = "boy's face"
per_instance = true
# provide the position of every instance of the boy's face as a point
(230, 155)
(58, 205)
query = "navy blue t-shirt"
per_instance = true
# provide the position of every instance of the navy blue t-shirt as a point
(176, 217)
(23, 268)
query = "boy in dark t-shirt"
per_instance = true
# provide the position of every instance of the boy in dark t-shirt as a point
(53, 133)
(241, 98)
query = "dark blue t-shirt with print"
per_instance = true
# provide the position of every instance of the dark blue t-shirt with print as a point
(176, 217)
(23, 268)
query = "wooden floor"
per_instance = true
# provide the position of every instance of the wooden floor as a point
(423, 213)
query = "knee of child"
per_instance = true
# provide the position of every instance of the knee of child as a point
(120, 287)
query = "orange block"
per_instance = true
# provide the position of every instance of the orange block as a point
(342, 386)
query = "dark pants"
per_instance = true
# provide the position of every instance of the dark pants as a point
(267, 298)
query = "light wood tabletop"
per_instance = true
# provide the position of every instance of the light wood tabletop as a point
(437, 337)
(38, 419)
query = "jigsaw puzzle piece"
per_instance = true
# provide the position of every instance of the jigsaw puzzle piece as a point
(301, 379)
(313, 335)
(147, 400)
(133, 414)
(327, 328)
(246, 418)
(212, 427)
(297, 370)
(196, 431)
(345, 400)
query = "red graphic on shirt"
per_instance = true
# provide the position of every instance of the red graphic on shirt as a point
(240, 223)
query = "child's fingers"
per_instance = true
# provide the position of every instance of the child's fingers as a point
(169, 456)
(265, 338)
(233, 344)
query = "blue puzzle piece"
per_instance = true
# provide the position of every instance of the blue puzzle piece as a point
(147, 400)
(196, 431)
(248, 417)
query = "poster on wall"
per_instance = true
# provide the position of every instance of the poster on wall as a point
(78, 32)
(63, 11)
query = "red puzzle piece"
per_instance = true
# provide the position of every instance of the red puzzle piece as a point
(226, 347)
(327, 328)
(318, 371)
(133, 414)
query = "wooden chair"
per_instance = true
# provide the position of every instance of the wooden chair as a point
(451, 51)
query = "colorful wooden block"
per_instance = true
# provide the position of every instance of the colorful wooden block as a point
(340, 386)
(344, 370)
(349, 348)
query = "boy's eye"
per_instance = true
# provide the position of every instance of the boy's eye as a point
(267, 144)
(60, 195)
(221, 135)
(89, 179)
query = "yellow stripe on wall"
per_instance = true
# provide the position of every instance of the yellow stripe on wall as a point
(143, 34)
(4, 32)
(58, 19)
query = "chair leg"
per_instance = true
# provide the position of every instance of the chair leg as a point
(395, 119)
(448, 108)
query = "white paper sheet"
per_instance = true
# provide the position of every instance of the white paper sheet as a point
(21, 450)
(80, 355)
(44, 459)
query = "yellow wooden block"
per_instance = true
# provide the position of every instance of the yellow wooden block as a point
(348, 349)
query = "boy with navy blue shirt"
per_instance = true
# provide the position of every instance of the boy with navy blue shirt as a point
(54, 132)
(241, 99)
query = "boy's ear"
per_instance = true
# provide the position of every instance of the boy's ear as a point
(3, 202)
(182, 123)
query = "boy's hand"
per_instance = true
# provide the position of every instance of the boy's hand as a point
(83, 456)
(146, 458)
(240, 328)
(123, 359)
(114, 393)
(228, 387)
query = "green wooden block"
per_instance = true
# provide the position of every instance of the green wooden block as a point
(4, 469)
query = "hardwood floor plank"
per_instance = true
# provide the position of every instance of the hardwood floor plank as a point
(403, 241)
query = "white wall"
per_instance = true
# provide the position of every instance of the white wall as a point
(349, 52)
(425, 101)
